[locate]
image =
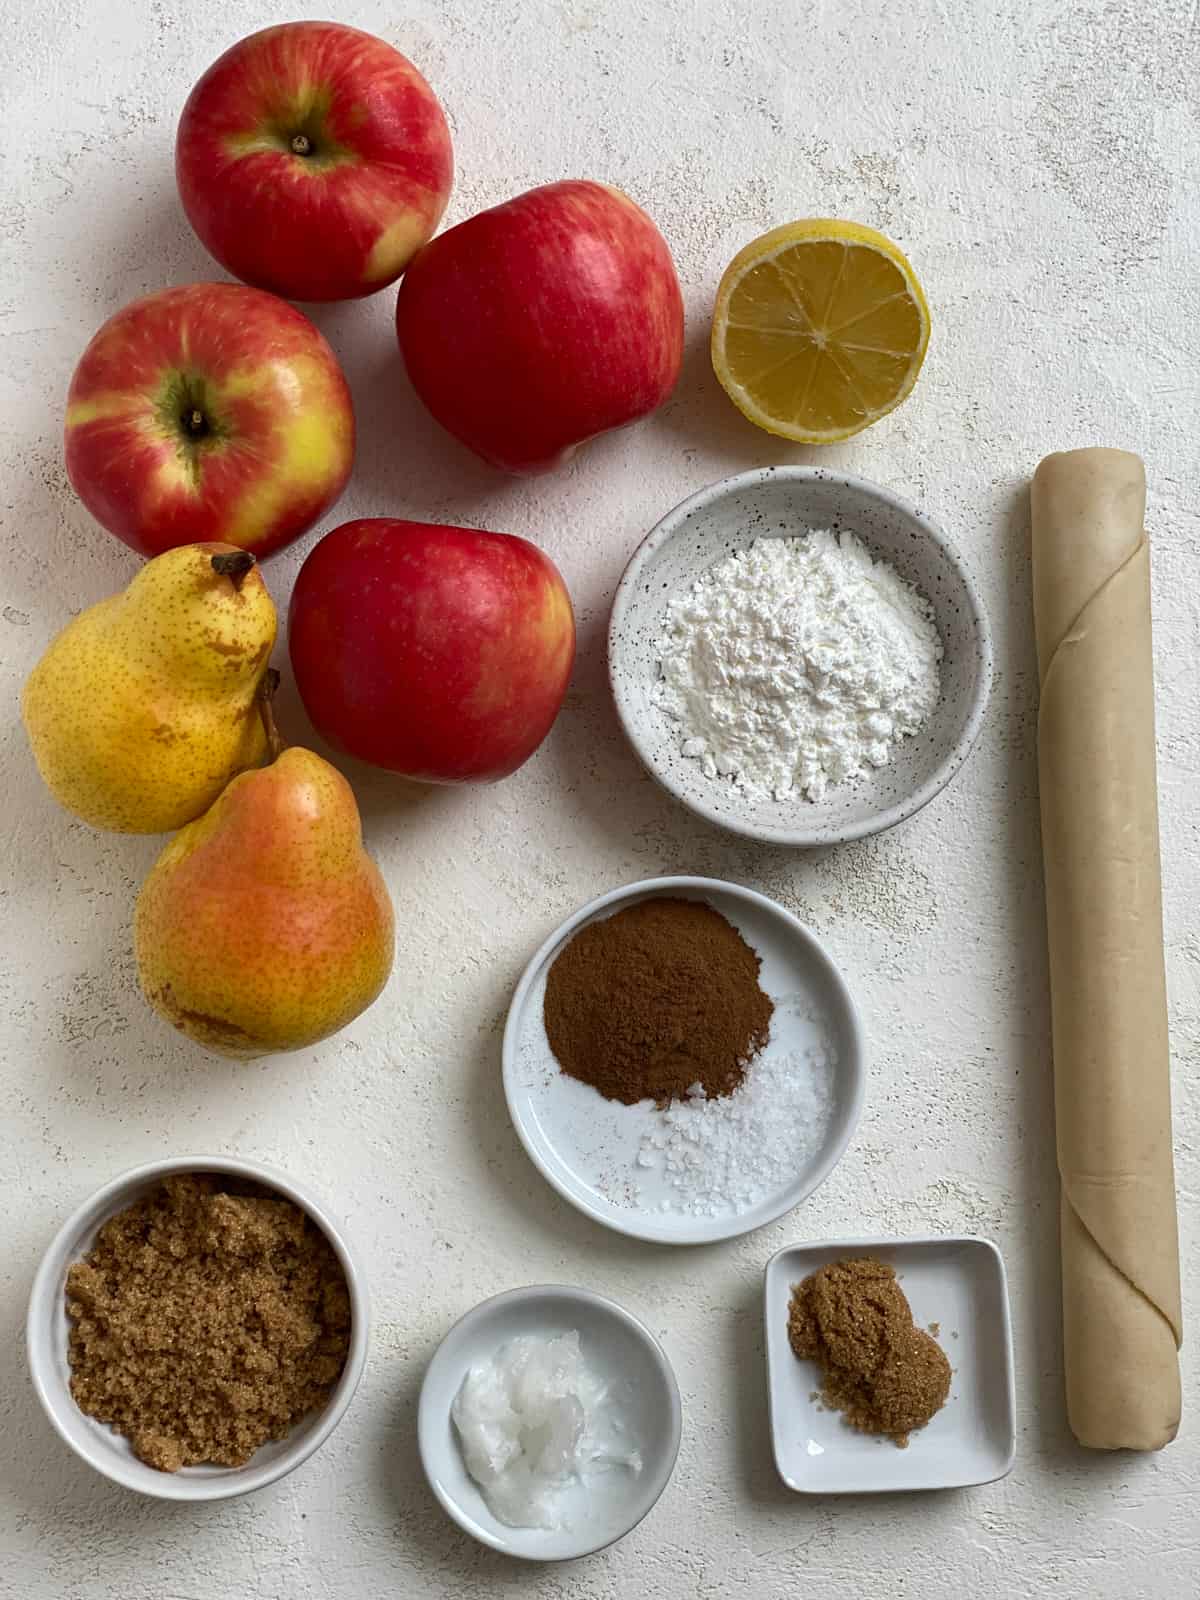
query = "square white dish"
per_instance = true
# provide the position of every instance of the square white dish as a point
(956, 1284)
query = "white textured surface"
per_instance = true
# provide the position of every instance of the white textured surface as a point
(1037, 163)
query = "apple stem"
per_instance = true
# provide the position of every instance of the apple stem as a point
(195, 423)
(302, 144)
(234, 565)
(266, 693)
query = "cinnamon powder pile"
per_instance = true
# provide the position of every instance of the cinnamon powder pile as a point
(885, 1374)
(654, 999)
(205, 1322)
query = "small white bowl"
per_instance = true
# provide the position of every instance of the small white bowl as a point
(587, 1147)
(48, 1327)
(779, 502)
(619, 1348)
(957, 1285)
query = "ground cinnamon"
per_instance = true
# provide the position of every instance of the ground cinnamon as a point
(885, 1374)
(656, 998)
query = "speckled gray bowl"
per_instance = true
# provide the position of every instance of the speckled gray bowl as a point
(776, 502)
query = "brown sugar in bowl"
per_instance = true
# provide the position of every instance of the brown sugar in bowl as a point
(48, 1332)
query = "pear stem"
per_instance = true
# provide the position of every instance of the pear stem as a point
(234, 565)
(266, 692)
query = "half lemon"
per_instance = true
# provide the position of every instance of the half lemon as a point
(819, 329)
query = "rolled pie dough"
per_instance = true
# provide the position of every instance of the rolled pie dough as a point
(1122, 1318)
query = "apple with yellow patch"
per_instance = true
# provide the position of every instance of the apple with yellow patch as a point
(314, 160)
(209, 412)
(438, 652)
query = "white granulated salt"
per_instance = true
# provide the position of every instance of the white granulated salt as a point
(726, 1155)
(797, 663)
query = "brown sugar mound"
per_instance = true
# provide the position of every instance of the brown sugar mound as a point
(881, 1371)
(206, 1319)
(658, 997)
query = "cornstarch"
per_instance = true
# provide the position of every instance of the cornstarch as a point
(796, 664)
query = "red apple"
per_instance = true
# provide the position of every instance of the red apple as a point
(442, 653)
(208, 412)
(543, 322)
(313, 160)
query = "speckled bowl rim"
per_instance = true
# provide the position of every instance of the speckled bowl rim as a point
(888, 816)
(429, 1424)
(50, 1383)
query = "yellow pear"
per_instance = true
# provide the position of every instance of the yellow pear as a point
(145, 706)
(264, 926)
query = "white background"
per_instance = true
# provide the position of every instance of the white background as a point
(1037, 161)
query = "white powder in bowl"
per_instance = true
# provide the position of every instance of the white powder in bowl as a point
(727, 1155)
(797, 663)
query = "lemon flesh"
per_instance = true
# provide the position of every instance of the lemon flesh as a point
(819, 329)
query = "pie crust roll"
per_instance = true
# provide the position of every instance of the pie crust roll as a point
(1122, 1318)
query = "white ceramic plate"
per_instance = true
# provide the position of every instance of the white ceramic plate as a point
(642, 1387)
(782, 502)
(588, 1147)
(958, 1284)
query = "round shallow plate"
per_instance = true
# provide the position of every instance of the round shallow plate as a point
(592, 1149)
(642, 1388)
(48, 1331)
(784, 502)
